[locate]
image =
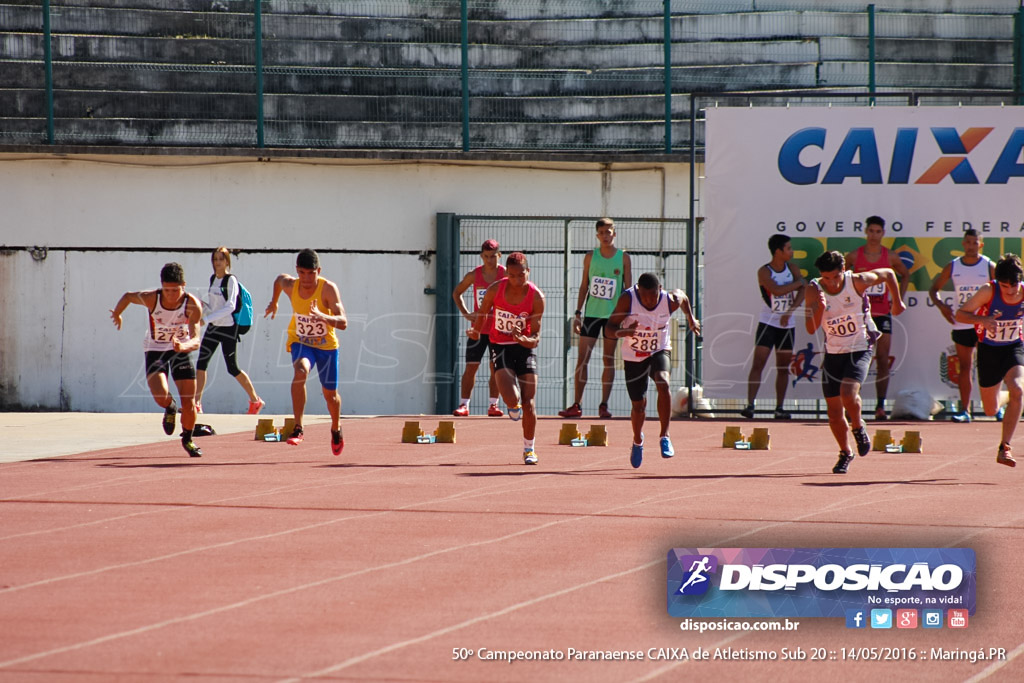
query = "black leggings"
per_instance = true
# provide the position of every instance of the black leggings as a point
(227, 338)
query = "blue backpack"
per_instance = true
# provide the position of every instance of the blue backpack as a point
(243, 315)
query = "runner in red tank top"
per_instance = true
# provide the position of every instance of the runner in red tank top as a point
(479, 279)
(517, 305)
(871, 257)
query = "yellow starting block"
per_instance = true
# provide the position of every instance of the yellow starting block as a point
(911, 442)
(883, 439)
(445, 432)
(760, 440)
(264, 426)
(289, 427)
(568, 433)
(411, 432)
(597, 436)
(731, 436)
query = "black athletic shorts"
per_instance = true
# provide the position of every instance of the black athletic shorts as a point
(883, 323)
(514, 357)
(638, 372)
(965, 337)
(177, 365)
(593, 327)
(475, 348)
(995, 361)
(780, 338)
(839, 366)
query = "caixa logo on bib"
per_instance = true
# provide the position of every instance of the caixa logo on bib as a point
(816, 582)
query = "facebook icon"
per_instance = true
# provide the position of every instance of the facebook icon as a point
(855, 618)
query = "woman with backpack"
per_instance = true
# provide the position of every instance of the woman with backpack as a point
(221, 308)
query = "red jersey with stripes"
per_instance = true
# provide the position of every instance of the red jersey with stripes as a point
(511, 318)
(480, 286)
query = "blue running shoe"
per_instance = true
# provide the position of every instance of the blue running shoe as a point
(636, 454)
(515, 414)
(1000, 413)
(962, 417)
(666, 447)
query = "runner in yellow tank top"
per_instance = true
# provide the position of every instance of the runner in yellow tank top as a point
(316, 313)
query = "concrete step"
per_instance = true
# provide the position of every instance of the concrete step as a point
(905, 75)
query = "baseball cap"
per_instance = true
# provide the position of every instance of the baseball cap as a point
(490, 245)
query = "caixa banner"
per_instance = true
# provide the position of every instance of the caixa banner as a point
(817, 582)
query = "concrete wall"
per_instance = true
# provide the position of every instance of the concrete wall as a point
(109, 223)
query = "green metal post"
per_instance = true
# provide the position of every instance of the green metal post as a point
(464, 39)
(258, 30)
(871, 52)
(1018, 55)
(567, 330)
(668, 75)
(446, 320)
(48, 66)
(691, 289)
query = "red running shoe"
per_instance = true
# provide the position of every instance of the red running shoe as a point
(494, 411)
(572, 411)
(462, 411)
(337, 443)
(296, 438)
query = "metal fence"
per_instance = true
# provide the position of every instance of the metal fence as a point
(463, 74)
(555, 247)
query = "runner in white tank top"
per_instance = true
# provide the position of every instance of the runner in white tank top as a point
(836, 303)
(968, 274)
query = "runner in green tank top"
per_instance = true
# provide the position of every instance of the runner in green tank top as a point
(606, 274)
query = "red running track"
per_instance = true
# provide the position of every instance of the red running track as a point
(266, 562)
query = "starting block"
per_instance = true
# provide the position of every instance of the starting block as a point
(911, 442)
(883, 440)
(445, 432)
(760, 440)
(264, 428)
(597, 436)
(411, 432)
(289, 427)
(731, 436)
(568, 434)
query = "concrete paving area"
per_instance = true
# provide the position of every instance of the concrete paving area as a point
(43, 435)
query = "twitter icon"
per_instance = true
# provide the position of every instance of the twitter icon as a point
(881, 618)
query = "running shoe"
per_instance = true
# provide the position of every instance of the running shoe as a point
(603, 412)
(962, 416)
(337, 443)
(1000, 413)
(191, 448)
(781, 414)
(256, 406)
(296, 438)
(462, 411)
(516, 414)
(666, 447)
(170, 413)
(844, 462)
(863, 442)
(881, 415)
(636, 454)
(748, 412)
(529, 457)
(572, 411)
(494, 411)
(1004, 457)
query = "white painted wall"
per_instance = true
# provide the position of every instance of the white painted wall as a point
(56, 338)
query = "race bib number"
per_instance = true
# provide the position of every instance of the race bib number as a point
(782, 304)
(480, 294)
(965, 292)
(168, 333)
(309, 328)
(644, 342)
(603, 287)
(508, 323)
(842, 326)
(875, 290)
(1007, 330)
